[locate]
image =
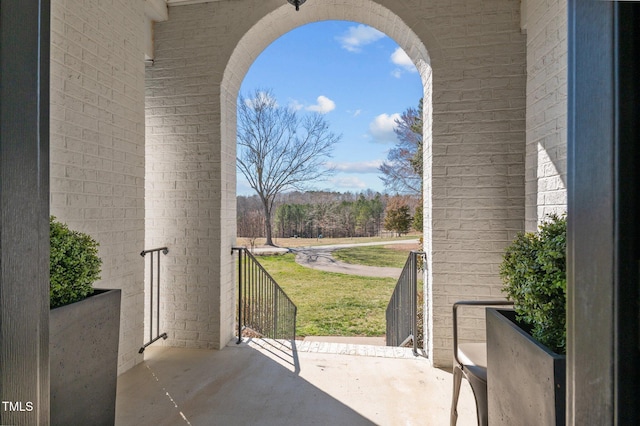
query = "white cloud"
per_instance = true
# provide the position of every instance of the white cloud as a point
(323, 105)
(357, 37)
(381, 128)
(357, 167)
(397, 73)
(348, 182)
(400, 58)
(295, 105)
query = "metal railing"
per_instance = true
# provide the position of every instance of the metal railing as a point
(263, 306)
(402, 310)
(155, 254)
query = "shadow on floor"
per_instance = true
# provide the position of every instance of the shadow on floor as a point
(262, 384)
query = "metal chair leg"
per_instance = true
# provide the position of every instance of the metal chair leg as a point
(457, 381)
(479, 388)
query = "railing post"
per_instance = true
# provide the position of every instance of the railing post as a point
(240, 282)
(414, 300)
(275, 311)
(158, 298)
(295, 321)
(151, 298)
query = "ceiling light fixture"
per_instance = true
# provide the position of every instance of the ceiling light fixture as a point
(297, 3)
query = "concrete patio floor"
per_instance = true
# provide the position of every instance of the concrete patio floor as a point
(264, 382)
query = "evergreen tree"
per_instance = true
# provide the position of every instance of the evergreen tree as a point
(397, 217)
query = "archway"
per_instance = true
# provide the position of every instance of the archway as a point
(279, 22)
(475, 75)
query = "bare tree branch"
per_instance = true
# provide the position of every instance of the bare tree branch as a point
(402, 171)
(277, 150)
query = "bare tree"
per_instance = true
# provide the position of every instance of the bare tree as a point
(253, 224)
(277, 150)
(402, 171)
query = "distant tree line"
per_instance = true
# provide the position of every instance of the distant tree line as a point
(316, 214)
(359, 218)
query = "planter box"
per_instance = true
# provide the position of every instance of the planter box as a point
(525, 381)
(83, 349)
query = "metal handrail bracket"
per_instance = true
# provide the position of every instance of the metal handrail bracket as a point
(155, 253)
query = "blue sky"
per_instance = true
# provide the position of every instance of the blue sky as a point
(357, 77)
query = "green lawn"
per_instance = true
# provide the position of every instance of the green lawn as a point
(373, 256)
(331, 304)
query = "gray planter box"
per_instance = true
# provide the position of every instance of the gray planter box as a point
(525, 381)
(83, 349)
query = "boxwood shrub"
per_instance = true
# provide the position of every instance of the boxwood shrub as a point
(534, 275)
(74, 264)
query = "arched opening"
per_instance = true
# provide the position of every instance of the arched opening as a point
(280, 22)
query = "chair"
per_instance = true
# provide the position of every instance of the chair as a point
(470, 362)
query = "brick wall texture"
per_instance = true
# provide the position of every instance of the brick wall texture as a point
(546, 160)
(495, 155)
(97, 143)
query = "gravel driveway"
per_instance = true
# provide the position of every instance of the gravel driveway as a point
(319, 257)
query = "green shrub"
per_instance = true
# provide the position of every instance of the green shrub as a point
(74, 264)
(534, 275)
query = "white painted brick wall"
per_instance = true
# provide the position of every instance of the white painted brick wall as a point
(97, 143)
(478, 60)
(546, 176)
(185, 165)
(477, 159)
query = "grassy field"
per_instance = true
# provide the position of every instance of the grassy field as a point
(393, 256)
(331, 304)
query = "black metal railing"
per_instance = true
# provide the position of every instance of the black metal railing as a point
(263, 307)
(154, 308)
(402, 310)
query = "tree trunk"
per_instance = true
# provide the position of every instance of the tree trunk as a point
(267, 223)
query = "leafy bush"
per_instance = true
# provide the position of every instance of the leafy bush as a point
(534, 273)
(74, 264)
